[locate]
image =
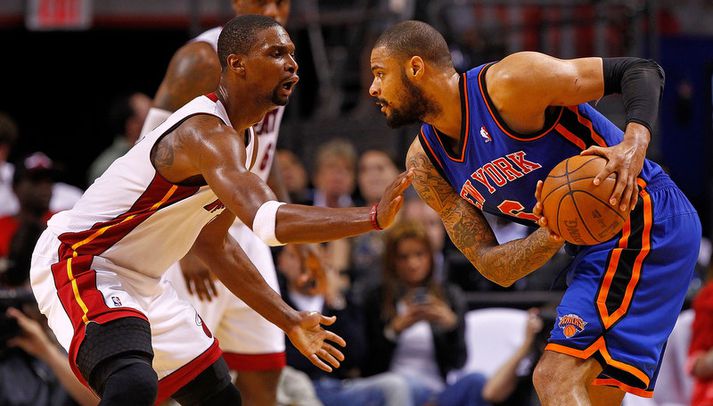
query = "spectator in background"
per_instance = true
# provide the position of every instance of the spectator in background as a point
(416, 209)
(32, 184)
(334, 177)
(416, 327)
(700, 359)
(63, 195)
(126, 117)
(294, 176)
(376, 169)
(334, 181)
(511, 384)
(344, 385)
(33, 370)
(8, 138)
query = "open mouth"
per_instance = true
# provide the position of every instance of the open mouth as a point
(290, 83)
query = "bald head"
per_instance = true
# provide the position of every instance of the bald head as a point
(416, 38)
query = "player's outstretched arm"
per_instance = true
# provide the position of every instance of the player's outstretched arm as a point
(470, 232)
(232, 266)
(218, 154)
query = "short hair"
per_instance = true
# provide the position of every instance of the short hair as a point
(238, 35)
(8, 130)
(416, 38)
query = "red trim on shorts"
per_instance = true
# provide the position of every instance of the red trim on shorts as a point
(255, 362)
(174, 381)
(626, 388)
(600, 346)
(84, 304)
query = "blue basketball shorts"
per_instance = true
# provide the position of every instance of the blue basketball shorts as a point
(624, 295)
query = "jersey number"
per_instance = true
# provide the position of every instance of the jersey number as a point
(266, 157)
(516, 209)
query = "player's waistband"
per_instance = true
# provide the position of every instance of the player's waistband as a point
(659, 182)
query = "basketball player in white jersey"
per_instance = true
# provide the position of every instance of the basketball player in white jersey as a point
(252, 346)
(97, 269)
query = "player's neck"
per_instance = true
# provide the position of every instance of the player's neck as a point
(447, 95)
(244, 114)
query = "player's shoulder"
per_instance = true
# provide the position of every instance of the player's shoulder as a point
(196, 54)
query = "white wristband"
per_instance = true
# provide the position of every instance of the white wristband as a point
(154, 118)
(264, 222)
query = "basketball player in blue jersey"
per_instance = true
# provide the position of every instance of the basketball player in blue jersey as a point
(489, 138)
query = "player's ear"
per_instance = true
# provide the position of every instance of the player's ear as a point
(416, 67)
(236, 62)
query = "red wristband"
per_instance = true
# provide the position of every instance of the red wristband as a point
(372, 216)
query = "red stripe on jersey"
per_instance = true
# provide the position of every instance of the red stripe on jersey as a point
(213, 96)
(160, 193)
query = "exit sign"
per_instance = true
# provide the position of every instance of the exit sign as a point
(58, 14)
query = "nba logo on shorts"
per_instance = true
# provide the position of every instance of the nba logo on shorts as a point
(571, 324)
(116, 301)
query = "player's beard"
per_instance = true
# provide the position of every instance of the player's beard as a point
(415, 106)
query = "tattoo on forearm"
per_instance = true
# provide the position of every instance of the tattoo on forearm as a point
(471, 233)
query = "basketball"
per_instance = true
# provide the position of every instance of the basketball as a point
(575, 208)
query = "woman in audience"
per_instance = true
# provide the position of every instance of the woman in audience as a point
(416, 327)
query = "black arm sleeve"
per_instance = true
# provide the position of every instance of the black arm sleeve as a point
(640, 82)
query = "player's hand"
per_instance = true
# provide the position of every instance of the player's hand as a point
(541, 219)
(33, 339)
(199, 280)
(311, 340)
(393, 199)
(626, 160)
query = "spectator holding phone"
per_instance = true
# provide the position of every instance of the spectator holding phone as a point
(415, 327)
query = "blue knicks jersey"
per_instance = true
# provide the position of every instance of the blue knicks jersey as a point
(495, 168)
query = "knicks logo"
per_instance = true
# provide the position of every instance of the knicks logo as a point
(571, 324)
(213, 207)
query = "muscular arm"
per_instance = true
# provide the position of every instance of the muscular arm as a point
(470, 232)
(194, 70)
(223, 256)
(204, 146)
(523, 85)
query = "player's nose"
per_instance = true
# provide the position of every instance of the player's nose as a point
(292, 65)
(373, 90)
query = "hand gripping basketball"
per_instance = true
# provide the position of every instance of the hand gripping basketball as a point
(577, 209)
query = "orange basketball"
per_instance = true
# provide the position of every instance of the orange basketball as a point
(575, 208)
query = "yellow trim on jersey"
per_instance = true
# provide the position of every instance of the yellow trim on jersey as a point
(75, 288)
(92, 237)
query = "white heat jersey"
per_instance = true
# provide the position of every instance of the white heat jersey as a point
(267, 130)
(134, 218)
